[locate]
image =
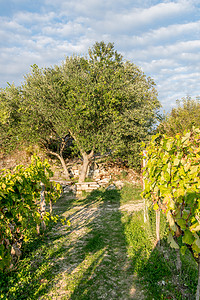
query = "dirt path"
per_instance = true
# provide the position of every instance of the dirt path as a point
(91, 260)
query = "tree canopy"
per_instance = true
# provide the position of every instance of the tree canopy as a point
(10, 117)
(102, 101)
(183, 117)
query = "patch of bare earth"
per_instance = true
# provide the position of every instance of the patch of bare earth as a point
(130, 207)
(94, 263)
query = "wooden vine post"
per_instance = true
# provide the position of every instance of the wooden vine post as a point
(158, 227)
(42, 205)
(146, 215)
(42, 208)
(144, 161)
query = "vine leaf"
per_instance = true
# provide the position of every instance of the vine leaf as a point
(188, 237)
(172, 242)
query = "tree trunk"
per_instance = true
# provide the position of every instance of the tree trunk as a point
(198, 285)
(60, 157)
(86, 161)
(38, 229)
(64, 167)
(42, 206)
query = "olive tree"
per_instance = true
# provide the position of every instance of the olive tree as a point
(102, 101)
(112, 102)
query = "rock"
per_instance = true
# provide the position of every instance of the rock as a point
(111, 187)
(119, 184)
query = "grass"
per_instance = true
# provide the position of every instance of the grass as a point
(107, 253)
(130, 193)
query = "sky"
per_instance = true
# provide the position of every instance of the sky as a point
(160, 37)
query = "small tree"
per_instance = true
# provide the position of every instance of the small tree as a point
(183, 117)
(172, 182)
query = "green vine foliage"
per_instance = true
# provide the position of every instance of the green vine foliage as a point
(172, 184)
(20, 206)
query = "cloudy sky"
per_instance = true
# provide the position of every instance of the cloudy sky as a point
(161, 37)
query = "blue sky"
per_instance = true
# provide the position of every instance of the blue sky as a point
(161, 37)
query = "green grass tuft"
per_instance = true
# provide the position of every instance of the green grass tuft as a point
(130, 192)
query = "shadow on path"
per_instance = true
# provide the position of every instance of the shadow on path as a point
(97, 264)
(106, 276)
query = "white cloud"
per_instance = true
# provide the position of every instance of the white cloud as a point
(64, 30)
(158, 65)
(179, 51)
(136, 18)
(161, 38)
(167, 34)
(33, 18)
(11, 25)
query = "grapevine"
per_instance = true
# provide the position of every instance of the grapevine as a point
(172, 185)
(20, 214)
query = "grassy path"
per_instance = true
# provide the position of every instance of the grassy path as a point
(94, 263)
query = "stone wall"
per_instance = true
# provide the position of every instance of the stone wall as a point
(106, 171)
(102, 174)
